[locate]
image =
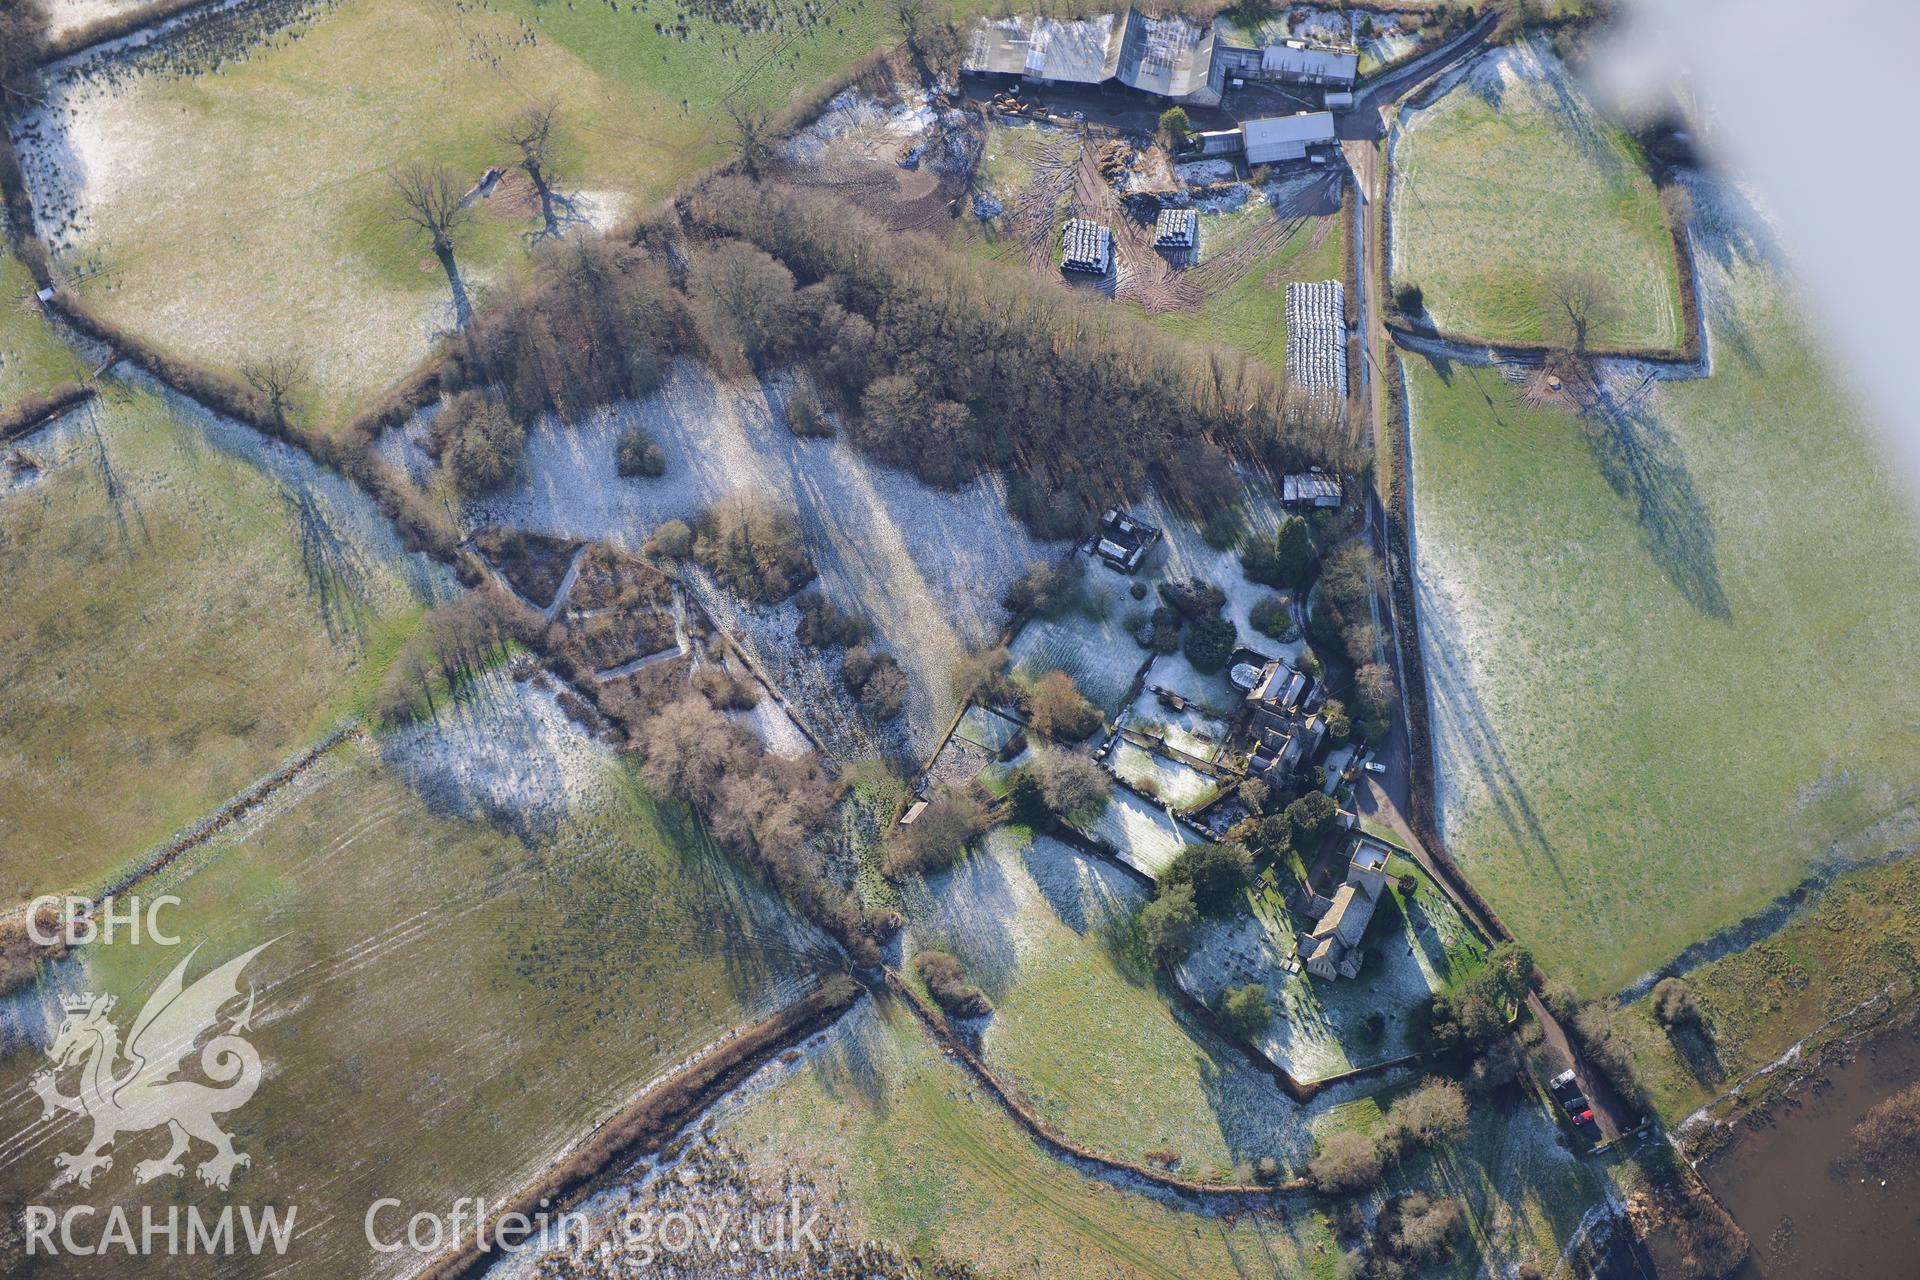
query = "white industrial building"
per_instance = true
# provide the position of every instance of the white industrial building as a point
(1276, 138)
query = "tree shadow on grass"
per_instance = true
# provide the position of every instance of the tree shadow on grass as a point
(336, 583)
(129, 522)
(850, 1063)
(1640, 460)
(1696, 1048)
(1457, 708)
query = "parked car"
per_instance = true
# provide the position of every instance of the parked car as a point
(1374, 766)
(1564, 1085)
(1576, 1104)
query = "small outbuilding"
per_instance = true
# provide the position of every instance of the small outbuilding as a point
(1086, 246)
(1176, 229)
(1219, 142)
(1273, 139)
(1310, 489)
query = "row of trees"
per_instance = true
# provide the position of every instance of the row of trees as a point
(454, 642)
(947, 365)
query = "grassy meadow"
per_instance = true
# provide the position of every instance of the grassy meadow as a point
(187, 605)
(32, 359)
(270, 224)
(1079, 1024)
(1672, 658)
(485, 937)
(1858, 941)
(924, 1157)
(1512, 176)
(915, 1152)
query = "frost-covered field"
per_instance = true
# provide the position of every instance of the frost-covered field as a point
(1652, 648)
(1142, 834)
(1174, 783)
(1316, 1029)
(1088, 1038)
(485, 939)
(227, 212)
(187, 604)
(927, 566)
(1510, 176)
(1096, 648)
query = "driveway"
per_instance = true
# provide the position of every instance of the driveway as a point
(1363, 122)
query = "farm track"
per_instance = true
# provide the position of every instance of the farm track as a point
(1228, 268)
(1141, 274)
(1033, 216)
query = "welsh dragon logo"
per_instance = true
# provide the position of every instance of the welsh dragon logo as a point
(143, 1094)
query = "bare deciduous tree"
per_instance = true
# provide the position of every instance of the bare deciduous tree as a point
(429, 198)
(1578, 304)
(530, 131)
(23, 41)
(753, 135)
(281, 377)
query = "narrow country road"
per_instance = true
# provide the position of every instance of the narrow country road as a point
(1384, 799)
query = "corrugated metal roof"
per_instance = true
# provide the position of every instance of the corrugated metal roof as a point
(1167, 56)
(1307, 127)
(1000, 46)
(1082, 52)
(1309, 60)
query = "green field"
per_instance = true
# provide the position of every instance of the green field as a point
(913, 1151)
(1674, 661)
(307, 124)
(1858, 942)
(32, 359)
(186, 606)
(1079, 1025)
(485, 938)
(1511, 177)
(924, 1157)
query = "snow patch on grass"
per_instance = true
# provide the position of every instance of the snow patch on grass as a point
(925, 566)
